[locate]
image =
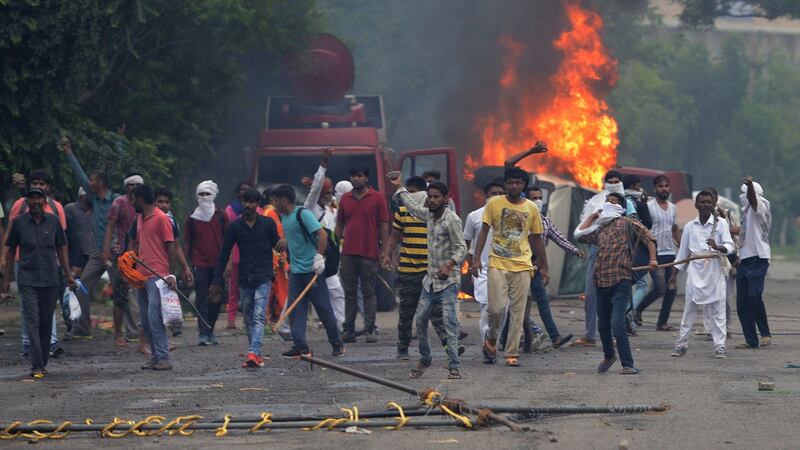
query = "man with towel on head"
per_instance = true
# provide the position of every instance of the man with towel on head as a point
(205, 229)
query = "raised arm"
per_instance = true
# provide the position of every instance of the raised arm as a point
(417, 210)
(319, 180)
(539, 147)
(72, 161)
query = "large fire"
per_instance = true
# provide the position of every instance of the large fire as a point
(575, 123)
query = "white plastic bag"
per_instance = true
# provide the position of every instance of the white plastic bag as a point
(170, 304)
(74, 306)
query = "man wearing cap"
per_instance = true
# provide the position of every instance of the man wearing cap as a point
(203, 236)
(37, 179)
(121, 217)
(41, 243)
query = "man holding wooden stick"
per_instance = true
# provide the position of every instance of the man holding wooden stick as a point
(307, 241)
(705, 281)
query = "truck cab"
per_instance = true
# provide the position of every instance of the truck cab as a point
(319, 114)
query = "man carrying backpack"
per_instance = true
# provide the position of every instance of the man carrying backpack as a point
(307, 242)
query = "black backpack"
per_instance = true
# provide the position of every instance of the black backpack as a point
(331, 250)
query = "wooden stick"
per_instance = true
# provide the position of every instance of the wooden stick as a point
(294, 304)
(681, 261)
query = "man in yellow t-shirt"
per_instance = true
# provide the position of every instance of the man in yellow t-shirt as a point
(516, 234)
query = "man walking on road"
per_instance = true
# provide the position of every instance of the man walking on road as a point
(306, 241)
(203, 236)
(362, 223)
(446, 252)
(755, 253)
(81, 244)
(42, 246)
(255, 236)
(705, 279)
(411, 232)
(155, 247)
(234, 211)
(516, 236)
(665, 229)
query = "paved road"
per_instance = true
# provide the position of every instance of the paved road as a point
(715, 404)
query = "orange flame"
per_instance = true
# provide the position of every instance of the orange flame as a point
(576, 124)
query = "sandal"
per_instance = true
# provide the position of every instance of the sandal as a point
(665, 328)
(453, 374)
(583, 342)
(417, 371)
(512, 361)
(120, 342)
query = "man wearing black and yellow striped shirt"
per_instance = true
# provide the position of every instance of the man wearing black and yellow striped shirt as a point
(412, 235)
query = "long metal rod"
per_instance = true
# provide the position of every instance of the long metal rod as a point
(568, 409)
(180, 294)
(382, 381)
(78, 427)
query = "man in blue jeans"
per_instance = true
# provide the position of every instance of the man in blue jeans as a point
(754, 254)
(256, 236)
(307, 241)
(446, 251)
(610, 231)
(155, 246)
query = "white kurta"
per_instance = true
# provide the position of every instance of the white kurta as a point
(705, 280)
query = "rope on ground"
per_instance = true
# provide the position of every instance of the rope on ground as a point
(266, 419)
(223, 430)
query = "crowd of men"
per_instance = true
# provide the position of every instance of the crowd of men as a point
(268, 257)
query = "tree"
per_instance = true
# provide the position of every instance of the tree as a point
(165, 71)
(703, 13)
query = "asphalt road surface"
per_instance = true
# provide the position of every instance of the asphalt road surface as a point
(714, 403)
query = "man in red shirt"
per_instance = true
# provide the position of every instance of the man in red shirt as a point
(121, 217)
(155, 246)
(362, 222)
(202, 238)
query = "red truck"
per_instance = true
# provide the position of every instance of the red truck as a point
(320, 113)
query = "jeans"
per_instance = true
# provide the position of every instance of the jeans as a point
(233, 293)
(409, 289)
(639, 291)
(254, 310)
(660, 278)
(203, 276)
(355, 269)
(38, 305)
(590, 305)
(539, 294)
(612, 302)
(318, 296)
(447, 299)
(749, 303)
(149, 299)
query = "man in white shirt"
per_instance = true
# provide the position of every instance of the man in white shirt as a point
(665, 229)
(472, 227)
(705, 280)
(754, 254)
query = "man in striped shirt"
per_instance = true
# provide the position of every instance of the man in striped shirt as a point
(412, 234)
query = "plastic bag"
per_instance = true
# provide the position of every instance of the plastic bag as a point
(71, 301)
(171, 312)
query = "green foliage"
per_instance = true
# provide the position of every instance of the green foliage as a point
(703, 13)
(168, 71)
(718, 116)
